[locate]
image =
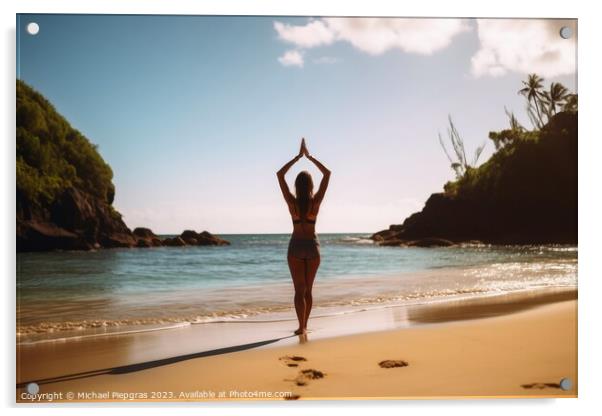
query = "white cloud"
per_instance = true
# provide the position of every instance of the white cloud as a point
(291, 58)
(315, 33)
(524, 46)
(378, 35)
(375, 35)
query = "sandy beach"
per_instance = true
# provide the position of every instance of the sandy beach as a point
(518, 345)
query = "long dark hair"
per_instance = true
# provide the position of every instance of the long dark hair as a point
(304, 192)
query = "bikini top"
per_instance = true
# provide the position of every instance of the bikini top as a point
(299, 220)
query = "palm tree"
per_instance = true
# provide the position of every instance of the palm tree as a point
(557, 94)
(533, 91)
(570, 103)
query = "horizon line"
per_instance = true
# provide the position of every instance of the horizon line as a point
(281, 233)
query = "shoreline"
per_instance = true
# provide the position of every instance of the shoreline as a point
(138, 356)
(281, 313)
(139, 312)
(285, 314)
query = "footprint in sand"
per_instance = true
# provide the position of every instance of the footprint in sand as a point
(312, 374)
(540, 386)
(304, 375)
(292, 360)
(309, 374)
(393, 363)
(302, 379)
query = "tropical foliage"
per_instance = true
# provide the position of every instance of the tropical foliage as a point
(529, 185)
(460, 164)
(52, 156)
(542, 105)
(534, 174)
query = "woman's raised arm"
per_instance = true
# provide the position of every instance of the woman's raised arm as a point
(288, 197)
(325, 178)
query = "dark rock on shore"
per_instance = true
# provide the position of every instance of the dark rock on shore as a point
(423, 242)
(35, 235)
(473, 243)
(191, 241)
(143, 243)
(192, 238)
(204, 238)
(526, 193)
(64, 187)
(78, 221)
(174, 242)
(65, 190)
(431, 242)
(146, 238)
(392, 242)
(75, 221)
(145, 233)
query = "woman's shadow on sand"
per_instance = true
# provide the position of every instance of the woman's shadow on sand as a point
(131, 368)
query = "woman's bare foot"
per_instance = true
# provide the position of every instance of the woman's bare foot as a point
(300, 331)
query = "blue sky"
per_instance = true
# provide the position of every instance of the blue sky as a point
(196, 114)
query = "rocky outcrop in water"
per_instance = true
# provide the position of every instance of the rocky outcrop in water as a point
(146, 238)
(204, 238)
(174, 242)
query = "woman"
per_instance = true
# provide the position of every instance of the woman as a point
(304, 247)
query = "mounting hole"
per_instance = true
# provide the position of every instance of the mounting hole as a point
(33, 388)
(566, 384)
(566, 32)
(33, 28)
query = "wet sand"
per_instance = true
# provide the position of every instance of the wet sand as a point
(518, 345)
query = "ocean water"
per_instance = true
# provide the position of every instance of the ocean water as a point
(64, 294)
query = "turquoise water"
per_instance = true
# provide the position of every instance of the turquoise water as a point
(66, 291)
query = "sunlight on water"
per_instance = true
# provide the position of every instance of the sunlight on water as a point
(107, 290)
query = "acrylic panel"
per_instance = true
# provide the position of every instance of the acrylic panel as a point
(216, 208)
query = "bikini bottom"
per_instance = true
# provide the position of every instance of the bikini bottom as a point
(303, 248)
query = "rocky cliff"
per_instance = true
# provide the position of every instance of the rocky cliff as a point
(74, 221)
(526, 193)
(64, 187)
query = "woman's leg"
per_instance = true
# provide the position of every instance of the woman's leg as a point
(297, 268)
(310, 275)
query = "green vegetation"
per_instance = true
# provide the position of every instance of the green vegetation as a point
(52, 156)
(460, 164)
(532, 176)
(517, 145)
(522, 164)
(526, 193)
(541, 104)
(541, 107)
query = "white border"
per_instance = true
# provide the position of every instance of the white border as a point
(590, 157)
